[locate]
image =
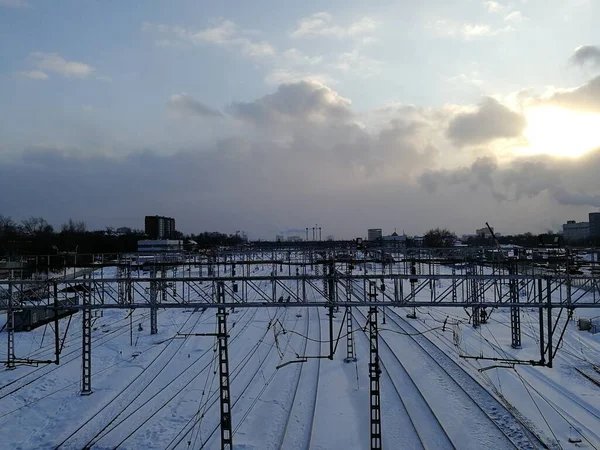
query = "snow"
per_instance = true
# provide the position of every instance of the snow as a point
(162, 391)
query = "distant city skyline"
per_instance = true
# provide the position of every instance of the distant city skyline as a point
(264, 116)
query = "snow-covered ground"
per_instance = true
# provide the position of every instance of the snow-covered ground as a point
(162, 391)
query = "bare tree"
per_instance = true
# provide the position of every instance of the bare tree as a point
(7, 225)
(73, 226)
(439, 238)
(36, 225)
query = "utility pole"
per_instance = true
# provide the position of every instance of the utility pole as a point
(10, 328)
(226, 432)
(350, 355)
(86, 343)
(374, 371)
(153, 297)
(515, 317)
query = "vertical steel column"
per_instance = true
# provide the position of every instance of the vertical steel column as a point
(549, 303)
(454, 296)
(153, 298)
(374, 372)
(86, 343)
(226, 432)
(474, 298)
(10, 328)
(541, 318)
(515, 317)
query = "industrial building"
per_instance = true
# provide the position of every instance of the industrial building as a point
(576, 231)
(374, 234)
(159, 227)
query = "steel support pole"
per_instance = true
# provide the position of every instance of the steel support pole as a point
(10, 328)
(374, 372)
(549, 318)
(86, 345)
(225, 399)
(153, 298)
(350, 355)
(515, 317)
(541, 318)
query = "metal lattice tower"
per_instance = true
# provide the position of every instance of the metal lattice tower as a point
(86, 344)
(10, 328)
(374, 372)
(350, 355)
(226, 431)
(153, 298)
(515, 317)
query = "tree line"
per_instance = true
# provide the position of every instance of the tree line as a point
(35, 236)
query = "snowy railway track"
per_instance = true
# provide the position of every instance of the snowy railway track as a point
(587, 431)
(240, 397)
(466, 390)
(42, 372)
(420, 416)
(138, 379)
(113, 424)
(297, 434)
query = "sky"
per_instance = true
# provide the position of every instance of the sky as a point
(272, 116)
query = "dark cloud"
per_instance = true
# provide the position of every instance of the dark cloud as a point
(301, 101)
(584, 98)
(566, 182)
(294, 158)
(490, 121)
(188, 106)
(586, 54)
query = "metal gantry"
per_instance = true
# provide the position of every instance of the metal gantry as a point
(411, 279)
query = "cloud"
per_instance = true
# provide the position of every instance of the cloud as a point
(493, 7)
(186, 105)
(566, 182)
(357, 63)
(466, 31)
(224, 33)
(515, 17)
(34, 74)
(14, 3)
(53, 62)
(292, 75)
(491, 120)
(304, 101)
(323, 162)
(583, 98)
(323, 24)
(586, 54)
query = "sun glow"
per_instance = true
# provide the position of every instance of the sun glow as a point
(560, 132)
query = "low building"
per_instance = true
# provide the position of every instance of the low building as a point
(374, 234)
(294, 239)
(576, 231)
(159, 245)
